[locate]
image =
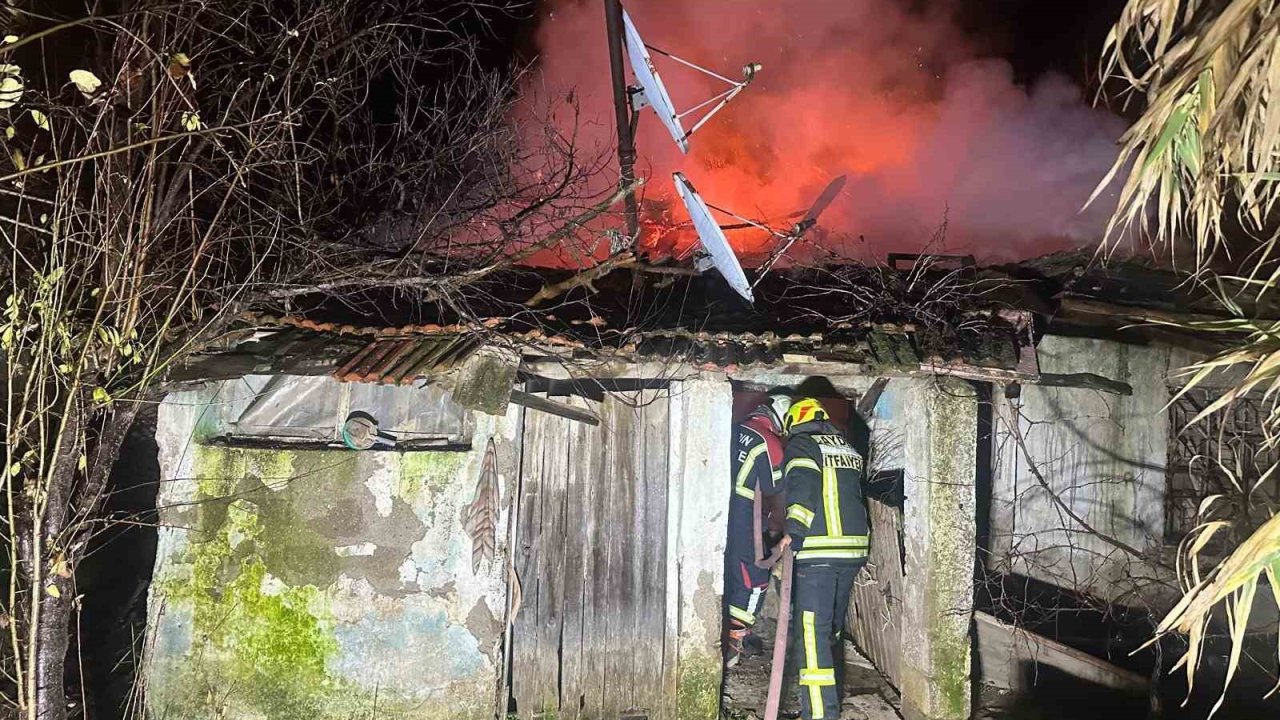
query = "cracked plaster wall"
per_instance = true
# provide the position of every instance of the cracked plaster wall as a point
(321, 584)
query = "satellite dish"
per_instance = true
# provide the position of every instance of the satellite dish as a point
(651, 92)
(807, 221)
(718, 252)
(824, 201)
(712, 234)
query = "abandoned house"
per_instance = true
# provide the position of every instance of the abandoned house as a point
(539, 527)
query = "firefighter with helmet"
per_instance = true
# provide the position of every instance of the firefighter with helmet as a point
(828, 532)
(756, 468)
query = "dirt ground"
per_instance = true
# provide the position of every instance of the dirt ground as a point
(866, 694)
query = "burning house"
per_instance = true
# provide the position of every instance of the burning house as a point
(537, 523)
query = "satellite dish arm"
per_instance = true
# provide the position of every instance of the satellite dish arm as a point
(774, 257)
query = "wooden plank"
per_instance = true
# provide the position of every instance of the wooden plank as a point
(1087, 381)
(524, 631)
(1003, 649)
(595, 625)
(551, 561)
(578, 482)
(651, 624)
(619, 476)
(640, 644)
(565, 410)
(874, 613)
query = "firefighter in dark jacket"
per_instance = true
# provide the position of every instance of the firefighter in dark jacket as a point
(756, 466)
(828, 531)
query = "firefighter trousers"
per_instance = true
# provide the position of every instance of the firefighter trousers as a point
(744, 586)
(820, 603)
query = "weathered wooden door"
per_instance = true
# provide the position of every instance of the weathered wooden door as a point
(875, 614)
(591, 637)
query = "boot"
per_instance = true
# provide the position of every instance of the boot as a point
(734, 643)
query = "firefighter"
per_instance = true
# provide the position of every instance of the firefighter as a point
(828, 531)
(757, 468)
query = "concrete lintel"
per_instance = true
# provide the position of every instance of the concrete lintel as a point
(940, 536)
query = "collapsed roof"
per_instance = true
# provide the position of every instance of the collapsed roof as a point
(937, 315)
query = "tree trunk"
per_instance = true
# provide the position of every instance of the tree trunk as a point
(65, 535)
(52, 638)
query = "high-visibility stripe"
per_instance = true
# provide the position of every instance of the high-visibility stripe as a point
(738, 613)
(777, 475)
(801, 514)
(831, 554)
(820, 677)
(844, 541)
(805, 463)
(811, 663)
(753, 602)
(831, 501)
(744, 472)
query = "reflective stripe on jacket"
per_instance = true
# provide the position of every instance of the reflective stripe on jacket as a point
(756, 461)
(826, 516)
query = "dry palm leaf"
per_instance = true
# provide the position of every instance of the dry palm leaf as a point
(480, 518)
(1208, 142)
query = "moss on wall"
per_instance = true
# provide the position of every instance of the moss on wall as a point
(698, 688)
(252, 589)
(428, 473)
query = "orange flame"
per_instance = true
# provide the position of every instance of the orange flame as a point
(927, 131)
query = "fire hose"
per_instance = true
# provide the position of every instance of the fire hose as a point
(781, 551)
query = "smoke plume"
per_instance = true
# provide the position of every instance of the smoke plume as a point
(902, 102)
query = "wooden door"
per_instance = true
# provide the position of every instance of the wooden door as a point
(875, 612)
(591, 634)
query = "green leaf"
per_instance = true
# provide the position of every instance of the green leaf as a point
(1172, 129)
(10, 86)
(191, 121)
(101, 396)
(42, 120)
(85, 81)
(14, 469)
(10, 39)
(9, 132)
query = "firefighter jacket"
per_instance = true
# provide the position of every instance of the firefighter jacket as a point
(826, 515)
(756, 462)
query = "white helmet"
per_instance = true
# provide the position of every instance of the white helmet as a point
(775, 408)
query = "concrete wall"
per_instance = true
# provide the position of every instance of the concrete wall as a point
(321, 584)
(939, 534)
(698, 512)
(315, 583)
(1103, 455)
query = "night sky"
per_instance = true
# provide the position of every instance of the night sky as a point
(1036, 36)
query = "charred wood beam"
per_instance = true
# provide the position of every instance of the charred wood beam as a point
(541, 404)
(1125, 314)
(1087, 381)
(868, 401)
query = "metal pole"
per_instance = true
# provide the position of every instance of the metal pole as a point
(622, 114)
